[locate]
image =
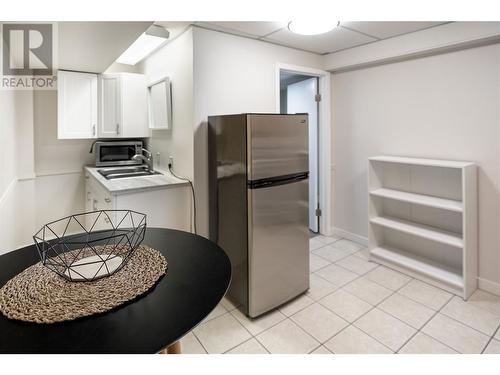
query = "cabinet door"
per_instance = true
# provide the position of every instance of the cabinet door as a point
(111, 125)
(77, 105)
(98, 198)
(89, 197)
(134, 105)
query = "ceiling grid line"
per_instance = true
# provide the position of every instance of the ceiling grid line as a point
(360, 32)
(345, 36)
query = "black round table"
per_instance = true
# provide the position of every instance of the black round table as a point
(198, 275)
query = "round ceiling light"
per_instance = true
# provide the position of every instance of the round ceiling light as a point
(312, 27)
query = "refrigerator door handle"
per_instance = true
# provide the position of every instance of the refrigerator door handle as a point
(277, 181)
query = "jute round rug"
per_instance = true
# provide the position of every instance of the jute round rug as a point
(39, 295)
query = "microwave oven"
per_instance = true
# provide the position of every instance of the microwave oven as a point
(117, 153)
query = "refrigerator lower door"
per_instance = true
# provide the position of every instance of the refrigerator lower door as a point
(278, 248)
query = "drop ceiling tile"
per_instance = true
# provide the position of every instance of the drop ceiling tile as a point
(252, 29)
(387, 29)
(337, 39)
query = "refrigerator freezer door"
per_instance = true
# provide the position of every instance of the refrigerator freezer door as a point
(277, 145)
(278, 243)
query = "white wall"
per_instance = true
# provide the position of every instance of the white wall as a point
(445, 106)
(52, 155)
(51, 183)
(8, 101)
(8, 137)
(232, 75)
(175, 60)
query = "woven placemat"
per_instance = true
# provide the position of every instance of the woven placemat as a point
(39, 295)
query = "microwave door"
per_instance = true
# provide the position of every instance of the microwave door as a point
(116, 154)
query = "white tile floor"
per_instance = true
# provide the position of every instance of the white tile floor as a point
(355, 306)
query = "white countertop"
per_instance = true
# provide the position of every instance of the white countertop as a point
(135, 184)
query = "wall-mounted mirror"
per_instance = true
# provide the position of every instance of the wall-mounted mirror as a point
(160, 104)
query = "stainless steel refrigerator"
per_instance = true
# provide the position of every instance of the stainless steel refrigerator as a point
(259, 205)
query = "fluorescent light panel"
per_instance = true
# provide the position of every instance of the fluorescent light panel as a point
(141, 48)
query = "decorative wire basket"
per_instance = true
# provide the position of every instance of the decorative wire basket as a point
(91, 245)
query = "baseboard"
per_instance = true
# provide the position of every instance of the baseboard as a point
(350, 236)
(489, 286)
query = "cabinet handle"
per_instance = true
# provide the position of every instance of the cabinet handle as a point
(94, 205)
(93, 129)
(88, 195)
(107, 200)
(117, 128)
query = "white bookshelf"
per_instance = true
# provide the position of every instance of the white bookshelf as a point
(423, 219)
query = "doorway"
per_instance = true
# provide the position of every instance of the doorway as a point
(305, 81)
(299, 94)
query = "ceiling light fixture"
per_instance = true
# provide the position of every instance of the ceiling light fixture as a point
(312, 27)
(148, 42)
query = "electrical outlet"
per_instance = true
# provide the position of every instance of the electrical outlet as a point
(170, 162)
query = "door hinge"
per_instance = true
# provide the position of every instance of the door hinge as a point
(317, 97)
(318, 212)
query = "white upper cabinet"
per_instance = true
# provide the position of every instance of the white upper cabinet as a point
(110, 107)
(104, 106)
(124, 112)
(77, 99)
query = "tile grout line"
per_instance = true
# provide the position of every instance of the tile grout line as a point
(316, 348)
(251, 334)
(376, 307)
(197, 339)
(356, 278)
(363, 274)
(440, 312)
(323, 244)
(271, 326)
(336, 239)
(460, 322)
(291, 320)
(433, 338)
(247, 340)
(468, 326)
(310, 335)
(336, 260)
(393, 292)
(203, 346)
(362, 315)
(483, 308)
(490, 340)
(373, 281)
(227, 312)
(420, 330)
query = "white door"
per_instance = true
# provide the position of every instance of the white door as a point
(301, 98)
(77, 105)
(111, 107)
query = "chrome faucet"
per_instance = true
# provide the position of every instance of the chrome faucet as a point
(148, 159)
